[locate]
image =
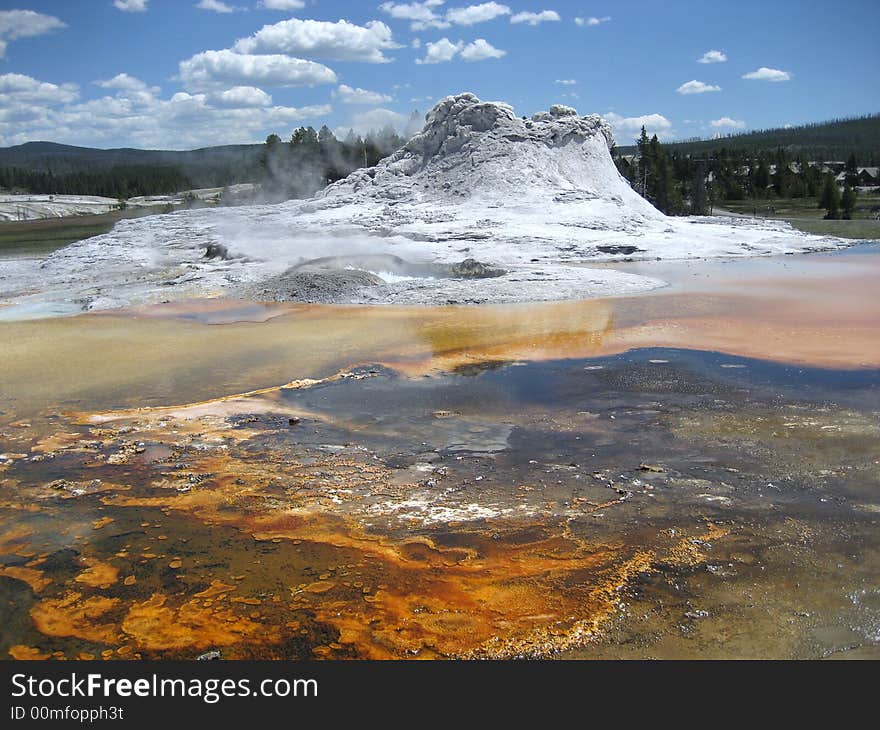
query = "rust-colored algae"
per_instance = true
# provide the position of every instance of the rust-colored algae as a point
(383, 597)
(154, 625)
(73, 615)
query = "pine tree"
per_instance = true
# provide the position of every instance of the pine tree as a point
(830, 199)
(848, 202)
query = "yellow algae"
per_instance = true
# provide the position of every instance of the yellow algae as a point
(102, 522)
(216, 588)
(321, 586)
(36, 579)
(98, 574)
(26, 653)
(15, 539)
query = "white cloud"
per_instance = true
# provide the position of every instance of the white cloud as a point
(625, 127)
(416, 43)
(473, 14)
(16, 24)
(440, 51)
(592, 21)
(216, 6)
(241, 97)
(282, 4)
(21, 89)
(131, 6)
(125, 83)
(566, 82)
(481, 50)
(424, 15)
(421, 14)
(728, 123)
(340, 41)
(712, 57)
(445, 50)
(140, 118)
(536, 18)
(372, 120)
(696, 87)
(212, 70)
(348, 95)
(768, 74)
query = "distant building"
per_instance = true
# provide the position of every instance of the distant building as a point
(869, 177)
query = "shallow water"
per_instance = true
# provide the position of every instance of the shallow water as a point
(549, 480)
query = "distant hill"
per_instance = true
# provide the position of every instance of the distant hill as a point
(832, 140)
(206, 167)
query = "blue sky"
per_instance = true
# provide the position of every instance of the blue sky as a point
(179, 74)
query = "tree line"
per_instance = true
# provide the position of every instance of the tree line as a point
(678, 183)
(312, 159)
(297, 168)
(119, 182)
(828, 140)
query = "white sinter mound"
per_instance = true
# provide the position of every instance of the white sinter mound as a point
(537, 197)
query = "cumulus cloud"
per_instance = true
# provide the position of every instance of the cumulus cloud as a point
(768, 74)
(375, 119)
(536, 18)
(15, 24)
(481, 50)
(566, 82)
(592, 21)
(131, 6)
(625, 127)
(473, 14)
(216, 6)
(124, 82)
(712, 57)
(135, 116)
(241, 97)
(440, 51)
(727, 123)
(21, 89)
(348, 95)
(696, 87)
(445, 50)
(213, 70)
(424, 14)
(340, 41)
(421, 14)
(282, 4)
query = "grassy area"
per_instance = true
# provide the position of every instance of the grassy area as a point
(804, 215)
(18, 238)
(797, 207)
(859, 229)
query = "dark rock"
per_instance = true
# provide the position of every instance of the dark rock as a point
(217, 251)
(618, 250)
(655, 468)
(473, 269)
(315, 285)
(293, 421)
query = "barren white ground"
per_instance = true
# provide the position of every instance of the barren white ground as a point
(540, 197)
